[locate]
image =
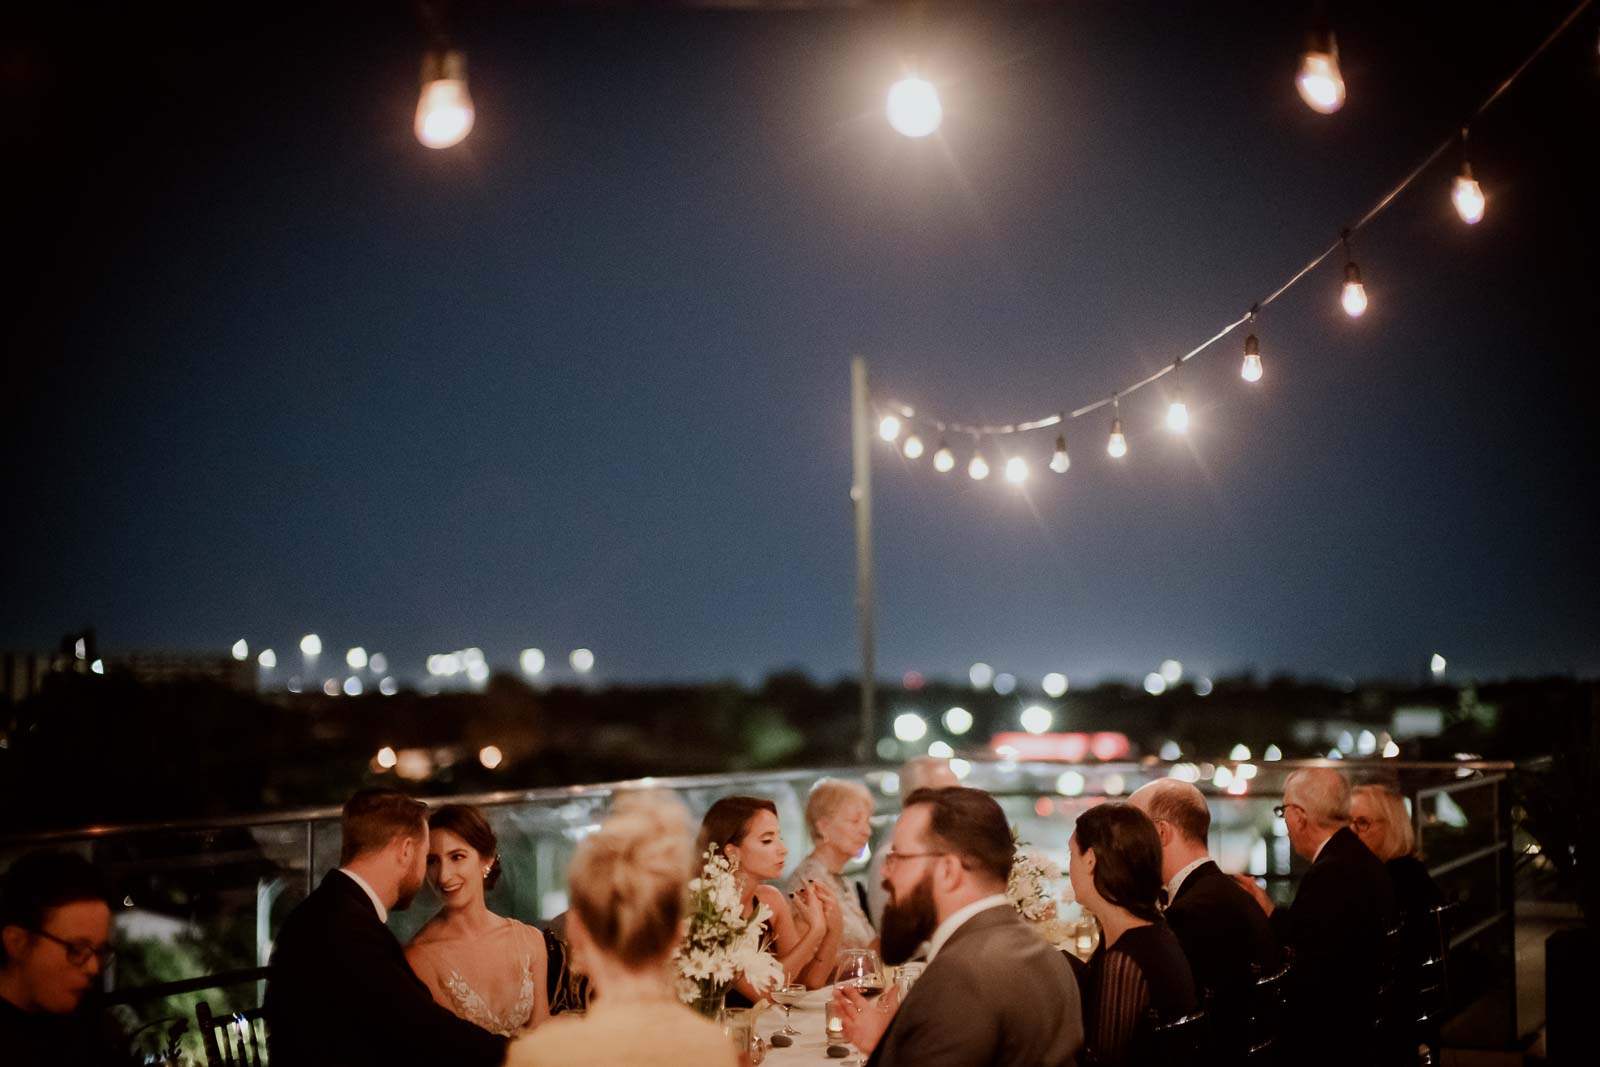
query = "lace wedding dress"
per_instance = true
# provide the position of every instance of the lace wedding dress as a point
(495, 980)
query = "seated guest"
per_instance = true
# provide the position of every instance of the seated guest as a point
(921, 772)
(55, 929)
(627, 890)
(839, 819)
(1337, 925)
(994, 994)
(341, 992)
(805, 937)
(1115, 867)
(1222, 931)
(488, 969)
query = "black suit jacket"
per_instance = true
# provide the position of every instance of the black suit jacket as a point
(341, 994)
(1224, 933)
(1337, 927)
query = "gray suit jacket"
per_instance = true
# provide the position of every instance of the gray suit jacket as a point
(995, 996)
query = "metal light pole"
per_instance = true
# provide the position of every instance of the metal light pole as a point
(861, 497)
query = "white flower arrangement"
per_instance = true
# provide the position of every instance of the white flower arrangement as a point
(1033, 890)
(721, 945)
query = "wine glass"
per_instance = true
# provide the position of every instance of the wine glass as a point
(861, 968)
(786, 997)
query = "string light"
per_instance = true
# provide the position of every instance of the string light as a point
(978, 469)
(1466, 194)
(944, 460)
(913, 107)
(889, 427)
(444, 109)
(1354, 296)
(1116, 444)
(1060, 462)
(1016, 470)
(1250, 371)
(912, 446)
(1319, 81)
(1177, 411)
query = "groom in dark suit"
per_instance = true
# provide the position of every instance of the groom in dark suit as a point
(994, 994)
(1224, 934)
(341, 993)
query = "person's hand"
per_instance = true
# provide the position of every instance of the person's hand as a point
(811, 911)
(1259, 895)
(863, 1020)
(832, 914)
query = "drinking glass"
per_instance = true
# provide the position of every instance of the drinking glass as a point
(861, 968)
(786, 997)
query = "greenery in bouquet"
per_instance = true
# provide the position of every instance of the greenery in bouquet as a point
(1033, 890)
(721, 945)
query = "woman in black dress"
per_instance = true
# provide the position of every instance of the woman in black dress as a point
(1115, 866)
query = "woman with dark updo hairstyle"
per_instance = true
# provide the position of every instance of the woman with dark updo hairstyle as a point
(1115, 866)
(488, 969)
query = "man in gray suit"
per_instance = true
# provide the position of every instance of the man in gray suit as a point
(993, 994)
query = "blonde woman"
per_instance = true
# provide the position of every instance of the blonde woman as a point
(839, 820)
(627, 888)
(1378, 816)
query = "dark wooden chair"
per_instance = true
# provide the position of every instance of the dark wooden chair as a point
(237, 1040)
(565, 989)
(1268, 998)
(1178, 1041)
(1432, 999)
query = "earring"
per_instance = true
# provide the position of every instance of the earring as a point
(486, 871)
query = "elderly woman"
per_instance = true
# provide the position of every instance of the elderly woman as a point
(1378, 816)
(839, 820)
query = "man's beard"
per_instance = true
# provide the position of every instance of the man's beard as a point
(408, 893)
(908, 923)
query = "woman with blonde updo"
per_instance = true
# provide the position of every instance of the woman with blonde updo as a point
(627, 889)
(839, 820)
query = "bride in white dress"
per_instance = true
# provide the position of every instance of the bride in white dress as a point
(488, 969)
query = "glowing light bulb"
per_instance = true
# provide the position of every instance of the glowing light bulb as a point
(268, 658)
(241, 650)
(889, 427)
(1016, 470)
(1116, 445)
(944, 460)
(913, 107)
(978, 469)
(1319, 81)
(311, 646)
(1354, 297)
(1060, 462)
(1468, 197)
(444, 110)
(912, 447)
(386, 757)
(1178, 415)
(1251, 370)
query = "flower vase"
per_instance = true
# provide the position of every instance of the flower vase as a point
(710, 1004)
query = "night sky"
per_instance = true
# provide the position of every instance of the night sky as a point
(273, 367)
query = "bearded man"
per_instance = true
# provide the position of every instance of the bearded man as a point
(993, 994)
(341, 993)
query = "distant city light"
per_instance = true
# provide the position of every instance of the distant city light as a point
(386, 757)
(1171, 671)
(356, 658)
(80, 649)
(1202, 687)
(294, 685)
(490, 756)
(311, 645)
(241, 650)
(1345, 742)
(1239, 787)
(889, 783)
(472, 655)
(1240, 751)
(958, 720)
(268, 658)
(1154, 684)
(531, 661)
(1245, 771)
(912, 680)
(909, 726)
(888, 748)
(352, 686)
(477, 672)
(1334, 753)
(1391, 750)
(388, 687)
(980, 674)
(1054, 684)
(941, 749)
(1436, 665)
(1171, 750)
(1184, 772)
(331, 687)
(1366, 743)
(98, 666)
(1070, 784)
(960, 768)
(582, 660)
(1222, 778)
(1113, 785)
(1273, 754)
(378, 663)
(1005, 684)
(1036, 719)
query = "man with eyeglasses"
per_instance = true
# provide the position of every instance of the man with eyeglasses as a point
(993, 994)
(55, 929)
(1338, 925)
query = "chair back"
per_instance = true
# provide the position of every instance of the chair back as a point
(1268, 996)
(1178, 1041)
(237, 1040)
(565, 989)
(1433, 972)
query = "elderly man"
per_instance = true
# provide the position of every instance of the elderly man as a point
(994, 994)
(921, 772)
(1222, 931)
(341, 992)
(1337, 925)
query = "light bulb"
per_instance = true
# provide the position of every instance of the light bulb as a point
(1251, 371)
(1468, 197)
(913, 108)
(944, 460)
(1178, 415)
(1016, 470)
(444, 109)
(889, 427)
(912, 447)
(1319, 81)
(978, 468)
(1060, 462)
(1354, 297)
(1116, 445)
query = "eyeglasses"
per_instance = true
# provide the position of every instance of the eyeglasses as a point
(892, 857)
(79, 953)
(1363, 824)
(1281, 808)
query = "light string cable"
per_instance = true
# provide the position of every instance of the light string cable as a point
(966, 427)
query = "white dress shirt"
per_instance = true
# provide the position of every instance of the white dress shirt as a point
(956, 919)
(1177, 879)
(383, 912)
